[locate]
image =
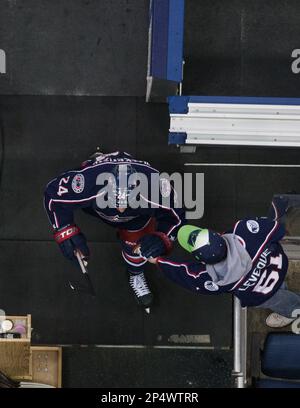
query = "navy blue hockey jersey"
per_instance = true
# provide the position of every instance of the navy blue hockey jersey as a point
(79, 189)
(260, 237)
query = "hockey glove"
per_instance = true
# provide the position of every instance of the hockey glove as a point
(154, 245)
(70, 239)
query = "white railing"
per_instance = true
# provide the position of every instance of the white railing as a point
(239, 124)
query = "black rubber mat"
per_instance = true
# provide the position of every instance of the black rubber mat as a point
(145, 368)
(241, 47)
(75, 47)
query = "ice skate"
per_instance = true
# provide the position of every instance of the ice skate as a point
(141, 290)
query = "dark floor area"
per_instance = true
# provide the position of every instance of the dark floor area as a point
(241, 47)
(74, 47)
(146, 368)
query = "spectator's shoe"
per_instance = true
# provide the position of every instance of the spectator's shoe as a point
(276, 321)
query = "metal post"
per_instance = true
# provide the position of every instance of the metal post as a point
(239, 344)
(180, 84)
(2, 62)
(244, 345)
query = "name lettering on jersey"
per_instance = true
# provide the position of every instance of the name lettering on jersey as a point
(119, 160)
(256, 273)
(62, 189)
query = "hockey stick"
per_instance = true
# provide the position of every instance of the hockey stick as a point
(89, 289)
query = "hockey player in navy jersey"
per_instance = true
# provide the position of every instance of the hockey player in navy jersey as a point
(248, 262)
(103, 187)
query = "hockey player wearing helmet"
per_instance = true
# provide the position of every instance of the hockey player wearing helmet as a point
(152, 226)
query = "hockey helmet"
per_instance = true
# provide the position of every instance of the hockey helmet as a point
(124, 180)
(205, 245)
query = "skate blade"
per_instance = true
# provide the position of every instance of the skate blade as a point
(71, 286)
